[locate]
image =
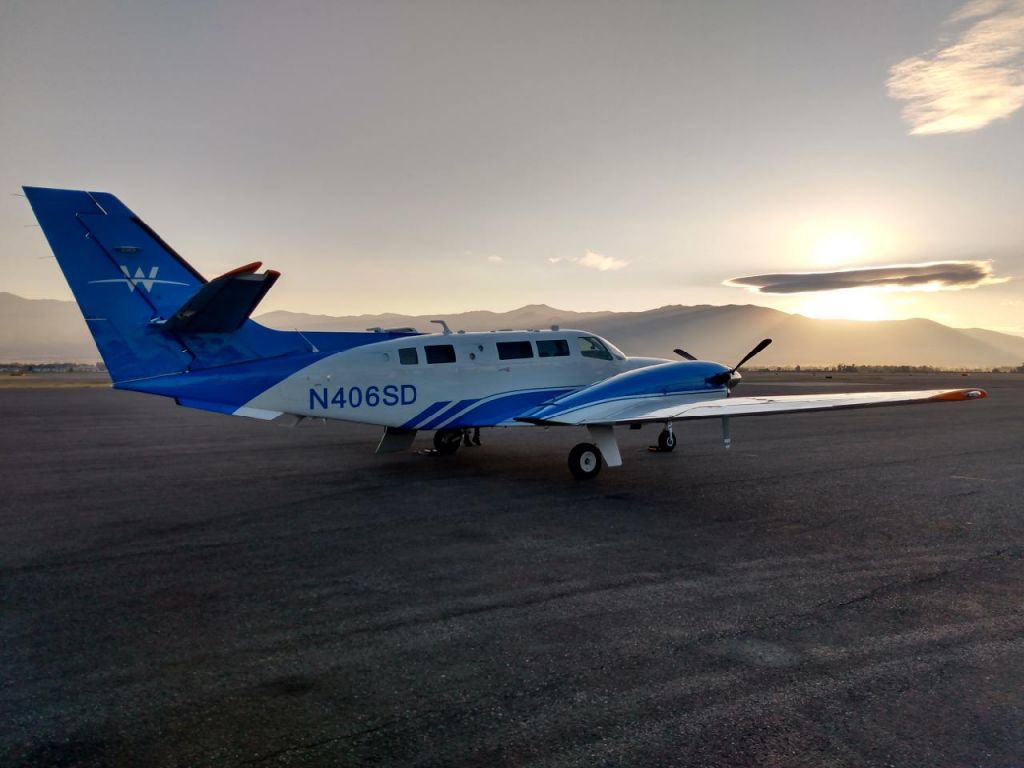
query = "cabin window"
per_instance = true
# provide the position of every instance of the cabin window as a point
(408, 356)
(514, 350)
(440, 353)
(591, 347)
(553, 348)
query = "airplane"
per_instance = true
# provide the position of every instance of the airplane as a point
(163, 329)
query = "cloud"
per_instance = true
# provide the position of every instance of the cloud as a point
(592, 260)
(976, 8)
(495, 259)
(976, 78)
(933, 276)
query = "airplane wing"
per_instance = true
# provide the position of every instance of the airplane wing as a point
(654, 409)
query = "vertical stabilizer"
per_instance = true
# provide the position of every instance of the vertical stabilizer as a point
(125, 278)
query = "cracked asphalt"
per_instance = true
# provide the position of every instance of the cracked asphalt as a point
(184, 589)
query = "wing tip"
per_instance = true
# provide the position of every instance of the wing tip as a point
(961, 394)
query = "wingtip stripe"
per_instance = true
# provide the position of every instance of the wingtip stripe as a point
(961, 394)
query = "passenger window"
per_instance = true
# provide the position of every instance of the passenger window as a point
(553, 348)
(514, 350)
(440, 353)
(408, 356)
(591, 347)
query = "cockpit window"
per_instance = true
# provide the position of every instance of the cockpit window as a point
(617, 353)
(592, 347)
(408, 356)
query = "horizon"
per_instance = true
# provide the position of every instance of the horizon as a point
(492, 156)
(263, 312)
(441, 314)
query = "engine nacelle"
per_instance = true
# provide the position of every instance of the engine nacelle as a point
(667, 380)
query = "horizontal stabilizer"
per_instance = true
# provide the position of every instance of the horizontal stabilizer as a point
(223, 304)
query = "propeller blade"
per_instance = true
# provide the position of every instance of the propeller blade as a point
(759, 348)
(683, 353)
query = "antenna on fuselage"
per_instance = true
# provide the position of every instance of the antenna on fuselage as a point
(443, 324)
(312, 346)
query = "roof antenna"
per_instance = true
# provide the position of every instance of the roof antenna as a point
(312, 346)
(443, 324)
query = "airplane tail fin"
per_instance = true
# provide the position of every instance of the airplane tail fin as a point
(150, 313)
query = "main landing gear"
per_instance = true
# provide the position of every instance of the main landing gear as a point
(585, 461)
(447, 441)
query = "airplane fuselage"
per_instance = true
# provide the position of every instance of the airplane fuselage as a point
(409, 382)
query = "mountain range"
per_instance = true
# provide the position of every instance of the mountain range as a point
(42, 330)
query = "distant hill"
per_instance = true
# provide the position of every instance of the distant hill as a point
(42, 330)
(725, 333)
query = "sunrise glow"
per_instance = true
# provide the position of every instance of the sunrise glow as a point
(856, 304)
(838, 249)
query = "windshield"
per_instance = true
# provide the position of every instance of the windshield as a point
(591, 346)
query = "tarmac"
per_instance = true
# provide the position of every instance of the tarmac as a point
(179, 588)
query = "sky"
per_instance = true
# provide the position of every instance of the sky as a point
(838, 159)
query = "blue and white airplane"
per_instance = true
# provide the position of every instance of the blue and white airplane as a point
(165, 330)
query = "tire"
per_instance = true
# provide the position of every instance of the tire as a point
(666, 441)
(585, 461)
(447, 441)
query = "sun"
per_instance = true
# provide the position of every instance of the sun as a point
(838, 249)
(852, 304)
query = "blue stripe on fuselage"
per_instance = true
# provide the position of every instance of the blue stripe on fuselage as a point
(424, 414)
(447, 414)
(505, 408)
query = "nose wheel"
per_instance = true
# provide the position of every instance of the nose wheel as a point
(585, 461)
(666, 441)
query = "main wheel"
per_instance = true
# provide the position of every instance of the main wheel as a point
(585, 461)
(447, 441)
(666, 441)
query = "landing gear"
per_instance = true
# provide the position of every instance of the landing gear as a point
(666, 441)
(585, 461)
(447, 441)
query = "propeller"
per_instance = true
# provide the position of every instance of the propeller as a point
(755, 351)
(726, 377)
(683, 353)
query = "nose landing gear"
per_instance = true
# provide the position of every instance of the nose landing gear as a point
(666, 440)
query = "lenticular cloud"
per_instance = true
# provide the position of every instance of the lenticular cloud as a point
(939, 275)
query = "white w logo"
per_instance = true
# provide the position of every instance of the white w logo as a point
(139, 278)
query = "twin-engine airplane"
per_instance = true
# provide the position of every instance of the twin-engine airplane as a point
(164, 329)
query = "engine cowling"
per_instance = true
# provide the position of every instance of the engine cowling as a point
(666, 380)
